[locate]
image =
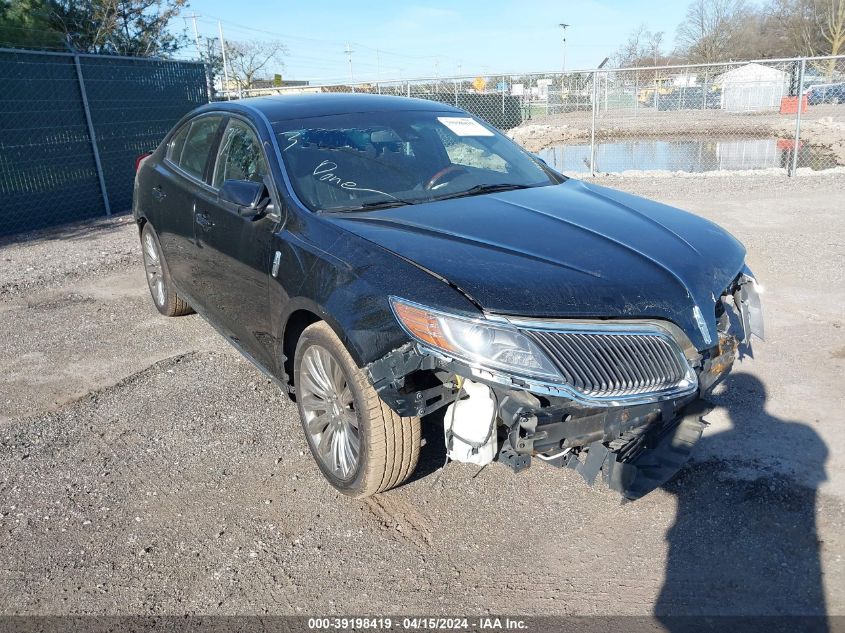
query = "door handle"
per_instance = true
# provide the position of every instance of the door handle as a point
(158, 194)
(204, 221)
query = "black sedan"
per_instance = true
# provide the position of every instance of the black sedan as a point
(383, 258)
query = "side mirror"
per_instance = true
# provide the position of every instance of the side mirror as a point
(249, 197)
(540, 158)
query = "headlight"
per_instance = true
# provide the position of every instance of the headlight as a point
(475, 341)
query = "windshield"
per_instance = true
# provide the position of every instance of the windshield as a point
(371, 160)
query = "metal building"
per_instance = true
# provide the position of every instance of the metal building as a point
(752, 87)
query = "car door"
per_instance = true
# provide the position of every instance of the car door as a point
(177, 181)
(234, 251)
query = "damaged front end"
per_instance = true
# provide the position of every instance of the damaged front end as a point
(623, 398)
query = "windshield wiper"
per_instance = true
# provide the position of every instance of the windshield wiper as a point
(398, 202)
(370, 206)
(482, 189)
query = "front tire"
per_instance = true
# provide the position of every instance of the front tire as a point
(361, 445)
(164, 295)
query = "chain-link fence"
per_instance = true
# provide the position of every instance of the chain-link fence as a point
(776, 114)
(71, 127)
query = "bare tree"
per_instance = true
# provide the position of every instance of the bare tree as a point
(247, 59)
(642, 48)
(711, 30)
(655, 43)
(812, 27)
(797, 23)
(209, 52)
(830, 16)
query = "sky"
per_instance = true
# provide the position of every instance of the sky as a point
(397, 39)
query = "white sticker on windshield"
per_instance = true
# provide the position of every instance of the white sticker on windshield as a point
(464, 126)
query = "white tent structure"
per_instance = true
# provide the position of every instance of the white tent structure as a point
(752, 87)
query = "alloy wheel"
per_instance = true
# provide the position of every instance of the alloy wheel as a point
(329, 411)
(153, 268)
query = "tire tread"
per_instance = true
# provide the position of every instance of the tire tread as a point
(175, 305)
(394, 443)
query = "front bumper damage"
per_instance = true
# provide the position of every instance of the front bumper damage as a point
(636, 447)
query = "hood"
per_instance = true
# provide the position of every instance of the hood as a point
(571, 250)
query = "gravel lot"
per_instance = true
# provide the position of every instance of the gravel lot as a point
(146, 468)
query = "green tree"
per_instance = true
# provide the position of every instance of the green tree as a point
(122, 27)
(26, 24)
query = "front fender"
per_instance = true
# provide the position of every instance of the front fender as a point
(346, 280)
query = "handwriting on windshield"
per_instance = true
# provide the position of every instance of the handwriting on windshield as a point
(294, 139)
(327, 172)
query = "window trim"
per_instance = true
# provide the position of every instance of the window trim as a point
(215, 144)
(168, 151)
(277, 215)
(219, 147)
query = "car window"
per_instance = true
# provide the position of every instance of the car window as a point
(198, 144)
(240, 156)
(177, 142)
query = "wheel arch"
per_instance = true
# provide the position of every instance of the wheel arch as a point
(304, 314)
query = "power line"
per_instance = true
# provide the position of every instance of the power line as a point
(302, 60)
(240, 27)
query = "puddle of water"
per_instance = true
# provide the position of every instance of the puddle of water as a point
(689, 154)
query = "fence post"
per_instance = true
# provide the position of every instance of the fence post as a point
(636, 92)
(656, 90)
(606, 82)
(91, 134)
(793, 168)
(456, 93)
(593, 128)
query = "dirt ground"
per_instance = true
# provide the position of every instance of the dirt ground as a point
(145, 468)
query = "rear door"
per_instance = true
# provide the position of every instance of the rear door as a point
(177, 181)
(234, 252)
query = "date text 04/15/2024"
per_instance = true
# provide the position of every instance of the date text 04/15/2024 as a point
(416, 623)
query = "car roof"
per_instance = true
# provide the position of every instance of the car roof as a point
(283, 107)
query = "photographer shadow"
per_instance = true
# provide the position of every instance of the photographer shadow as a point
(743, 547)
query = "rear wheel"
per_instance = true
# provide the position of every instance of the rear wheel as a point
(361, 445)
(161, 287)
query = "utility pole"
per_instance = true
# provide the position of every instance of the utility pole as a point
(194, 17)
(207, 64)
(223, 50)
(349, 52)
(563, 64)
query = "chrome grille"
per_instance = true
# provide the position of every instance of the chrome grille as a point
(618, 364)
